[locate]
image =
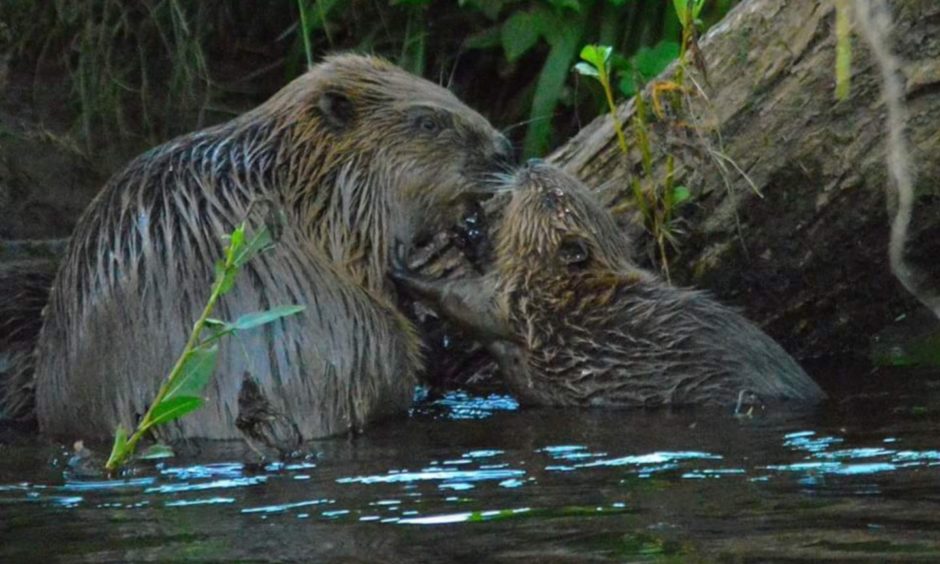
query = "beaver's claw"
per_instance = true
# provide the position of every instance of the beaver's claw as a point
(399, 260)
(405, 279)
(400, 273)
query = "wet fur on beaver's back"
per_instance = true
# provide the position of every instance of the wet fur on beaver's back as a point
(572, 321)
(355, 153)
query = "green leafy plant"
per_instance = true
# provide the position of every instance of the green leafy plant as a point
(655, 205)
(596, 63)
(181, 392)
(152, 70)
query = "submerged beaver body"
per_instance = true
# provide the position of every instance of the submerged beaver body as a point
(353, 154)
(572, 321)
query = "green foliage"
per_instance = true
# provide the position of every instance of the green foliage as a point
(158, 68)
(596, 63)
(645, 65)
(688, 11)
(183, 389)
(657, 202)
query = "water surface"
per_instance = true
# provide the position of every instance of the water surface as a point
(474, 479)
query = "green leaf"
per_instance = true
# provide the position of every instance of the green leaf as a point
(650, 62)
(118, 449)
(227, 281)
(680, 194)
(260, 242)
(627, 84)
(586, 69)
(597, 55)
(257, 318)
(682, 7)
(564, 47)
(194, 374)
(519, 33)
(168, 410)
(236, 240)
(156, 452)
(217, 324)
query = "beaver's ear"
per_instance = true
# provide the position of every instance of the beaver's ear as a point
(337, 109)
(574, 251)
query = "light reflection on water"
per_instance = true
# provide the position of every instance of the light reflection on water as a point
(602, 473)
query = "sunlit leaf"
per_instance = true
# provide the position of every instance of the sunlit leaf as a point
(257, 318)
(597, 55)
(156, 452)
(519, 33)
(195, 374)
(169, 410)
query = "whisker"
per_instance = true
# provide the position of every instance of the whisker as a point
(453, 70)
(519, 124)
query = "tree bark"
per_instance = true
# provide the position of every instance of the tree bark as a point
(804, 249)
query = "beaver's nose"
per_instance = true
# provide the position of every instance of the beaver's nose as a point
(534, 162)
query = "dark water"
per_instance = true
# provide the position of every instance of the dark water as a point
(473, 480)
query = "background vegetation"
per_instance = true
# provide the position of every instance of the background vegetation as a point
(142, 71)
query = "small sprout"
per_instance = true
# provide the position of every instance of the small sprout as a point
(688, 11)
(596, 63)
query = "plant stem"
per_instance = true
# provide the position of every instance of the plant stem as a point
(191, 343)
(618, 127)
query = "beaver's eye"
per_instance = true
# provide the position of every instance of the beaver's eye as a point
(574, 251)
(428, 124)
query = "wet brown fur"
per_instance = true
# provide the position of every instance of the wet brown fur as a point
(572, 321)
(356, 153)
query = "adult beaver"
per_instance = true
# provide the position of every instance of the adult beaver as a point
(355, 153)
(572, 321)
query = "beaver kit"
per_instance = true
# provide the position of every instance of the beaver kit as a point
(572, 320)
(355, 153)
